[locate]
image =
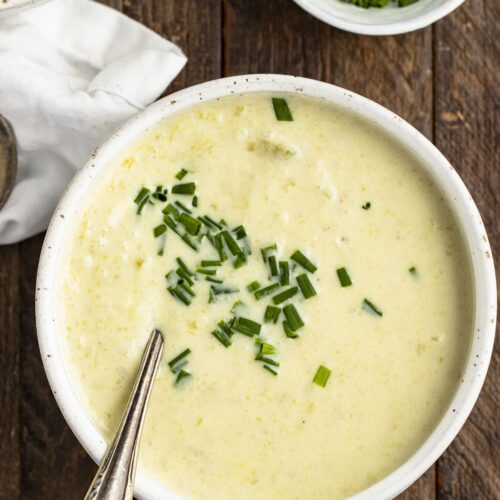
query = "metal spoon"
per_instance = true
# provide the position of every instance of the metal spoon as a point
(8, 160)
(115, 478)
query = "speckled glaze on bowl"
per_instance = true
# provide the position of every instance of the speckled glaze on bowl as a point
(49, 325)
(388, 20)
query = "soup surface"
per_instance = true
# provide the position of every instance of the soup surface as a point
(388, 310)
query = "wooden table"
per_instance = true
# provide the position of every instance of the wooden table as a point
(443, 80)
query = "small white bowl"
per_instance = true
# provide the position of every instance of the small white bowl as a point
(49, 324)
(388, 20)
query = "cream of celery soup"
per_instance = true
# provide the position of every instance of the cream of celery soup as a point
(312, 286)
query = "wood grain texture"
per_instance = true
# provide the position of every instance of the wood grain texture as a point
(441, 79)
(10, 450)
(467, 105)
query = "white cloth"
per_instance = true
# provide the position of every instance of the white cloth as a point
(71, 71)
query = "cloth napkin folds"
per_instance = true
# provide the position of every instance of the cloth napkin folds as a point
(71, 71)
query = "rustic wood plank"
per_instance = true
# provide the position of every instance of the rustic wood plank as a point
(467, 102)
(10, 454)
(195, 26)
(279, 37)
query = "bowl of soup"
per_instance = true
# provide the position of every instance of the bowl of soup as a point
(320, 273)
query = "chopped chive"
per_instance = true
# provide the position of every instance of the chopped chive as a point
(170, 209)
(181, 174)
(412, 270)
(174, 362)
(181, 376)
(141, 199)
(211, 263)
(214, 280)
(225, 328)
(343, 276)
(322, 376)
(293, 317)
(262, 292)
(246, 326)
(182, 207)
(160, 194)
(405, 3)
(186, 277)
(208, 272)
(194, 201)
(254, 285)
(159, 230)
(281, 110)
(189, 241)
(188, 188)
(266, 250)
(284, 273)
(219, 246)
(269, 369)
(141, 195)
(271, 314)
(267, 349)
(222, 337)
(241, 260)
(239, 232)
(214, 223)
(231, 243)
(303, 261)
(191, 224)
(273, 266)
(366, 206)
(223, 290)
(285, 295)
(183, 266)
(305, 285)
(288, 330)
(179, 294)
(185, 286)
(370, 305)
(266, 360)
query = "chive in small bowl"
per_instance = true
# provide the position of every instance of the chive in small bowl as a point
(395, 17)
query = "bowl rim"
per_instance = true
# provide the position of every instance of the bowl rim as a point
(432, 160)
(392, 28)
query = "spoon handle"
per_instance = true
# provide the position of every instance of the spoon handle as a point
(115, 478)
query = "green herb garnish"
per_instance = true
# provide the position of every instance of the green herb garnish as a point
(262, 292)
(141, 199)
(293, 317)
(271, 314)
(178, 362)
(284, 273)
(159, 230)
(281, 110)
(254, 285)
(303, 261)
(413, 270)
(366, 206)
(322, 376)
(305, 285)
(188, 188)
(285, 295)
(290, 333)
(181, 376)
(181, 174)
(269, 369)
(246, 326)
(344, 278)
(191, 224)
(372, 307)
(222, 337)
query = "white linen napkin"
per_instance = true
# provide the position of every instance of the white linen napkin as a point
(71, 71)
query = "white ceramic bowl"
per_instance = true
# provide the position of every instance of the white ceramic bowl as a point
(389, 20)
(49, 326)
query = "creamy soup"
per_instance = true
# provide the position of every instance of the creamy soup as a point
(328, 373)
